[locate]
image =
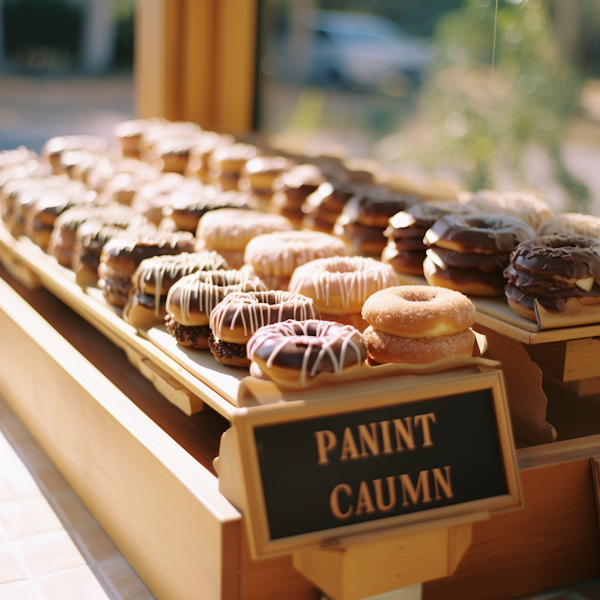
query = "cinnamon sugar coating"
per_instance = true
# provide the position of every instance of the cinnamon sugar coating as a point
(385, 348)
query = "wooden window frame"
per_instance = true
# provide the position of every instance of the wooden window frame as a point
(195, 61)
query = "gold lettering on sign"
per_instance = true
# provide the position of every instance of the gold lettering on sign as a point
(408, 489)
(404, 433)
(424, 420)
(365, 503)
(439, 481)
(381, 505)
(385, 437)
(349, 449)
(334, 501)
(368, 438)
(326, 442)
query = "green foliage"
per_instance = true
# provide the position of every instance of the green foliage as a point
(488, 119)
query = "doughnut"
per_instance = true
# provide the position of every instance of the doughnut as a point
(551, 270)
(128, 135)
(470, 281)
(403, 261)
(191, 300)
(120, 258)
(292, 188)
(234, 320)
(417, 311)
(522, 205)
(260, 172)
(226, 162)
(155, 276)
(229, 230)
(385, 348)
(365, 217)
(198, 162)
(64, 234)
(418, 324)
(295, 352)
(571, 225)
(341, 285)
(479, 234)
(55, 146)
(187, 208)
(276, 255)
(467, 253)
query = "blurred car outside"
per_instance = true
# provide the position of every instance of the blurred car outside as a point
(357, 50)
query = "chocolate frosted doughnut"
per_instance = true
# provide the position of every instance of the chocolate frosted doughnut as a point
(234, 320)
(479, 234)
(294, 352)
(561, 257)
(551, 270)
(120, 258)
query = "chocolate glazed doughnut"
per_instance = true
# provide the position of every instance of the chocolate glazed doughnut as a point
(468, 253)
(236, 319)
(552, 270)
(294, 352)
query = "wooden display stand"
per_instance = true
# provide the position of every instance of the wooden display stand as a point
(146, 472)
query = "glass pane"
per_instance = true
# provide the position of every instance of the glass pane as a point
(484, 96)
(65, 68)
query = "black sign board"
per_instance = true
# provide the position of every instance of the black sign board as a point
(382, 463)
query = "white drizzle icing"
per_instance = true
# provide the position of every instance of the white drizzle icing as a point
(253, 310)
(203, 290)
(280, 253)
(180, 265)
(326, 335)
(355, 277)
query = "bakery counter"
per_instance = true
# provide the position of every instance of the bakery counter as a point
(145, 470)
(141, 466)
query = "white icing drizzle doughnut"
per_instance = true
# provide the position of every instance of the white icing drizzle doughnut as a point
(294, 351)
(153, 271)
(239, 315)
(192, 299)
(342, 284)
(281, 252)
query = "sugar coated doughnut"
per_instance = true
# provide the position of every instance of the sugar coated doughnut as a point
(340, 285)
(294, 352)
(419, 311)
(385, 348)
(571, 224)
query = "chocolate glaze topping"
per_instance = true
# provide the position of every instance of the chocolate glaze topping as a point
(483, 233)
(485, 262)
(570, 257)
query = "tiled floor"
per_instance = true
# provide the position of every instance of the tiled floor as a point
(51, 548)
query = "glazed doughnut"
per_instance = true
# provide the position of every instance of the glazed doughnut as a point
(229, 230)
(191, 300)
(120, 258)
(552, 270)
(571, 225)
(276, 255)
(416, 311)
(341, 285)
(234, 320)
(468, 253)
(385, 348)
(226, 162)
(522, 205)
(471, 281)
(198, 162)
(155, 276)
(365, 217)
(294, 352)
(478, 234)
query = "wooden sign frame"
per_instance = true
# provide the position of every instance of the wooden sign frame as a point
(255, 512)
